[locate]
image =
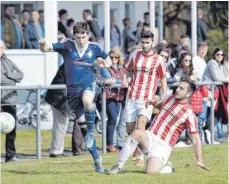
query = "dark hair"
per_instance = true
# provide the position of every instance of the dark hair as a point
(192, 86)
(70, 21)
(87, 11)
(124, 21)
(9, 5)
(25, 10)
(146, 14)
(41, 11)
(81, 27)
(147, 34)
(217, 50)
(179, 64)
(62, 12)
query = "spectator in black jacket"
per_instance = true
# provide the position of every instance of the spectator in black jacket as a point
(62, 24)
(202, 32)
(94, 26)
(10, 75)
(57, 98)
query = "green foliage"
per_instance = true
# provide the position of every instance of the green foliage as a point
(216, 39)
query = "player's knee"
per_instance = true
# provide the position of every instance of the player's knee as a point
(151, 171)
(136, 134)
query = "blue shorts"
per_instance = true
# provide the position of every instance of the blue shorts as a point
(75, 102)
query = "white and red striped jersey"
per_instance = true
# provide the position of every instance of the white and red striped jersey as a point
(147, 70)
(174, 117)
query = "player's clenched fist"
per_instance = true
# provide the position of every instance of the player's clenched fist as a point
(42, 42)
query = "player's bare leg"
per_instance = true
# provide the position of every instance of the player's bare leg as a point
(141, 124)
(137, 137)
(89, 112)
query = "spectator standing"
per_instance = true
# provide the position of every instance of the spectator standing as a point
(57, 98)
(62, 23)
(93, 24)
(202, 32)
(146, 23)
(115, 98)
(215, 72)
(25, 18)
(41, 13)
(10, 75)
(34, 31)
(137, 33)
(11, 29)
(115, 34)
(199, 65)
(70, 24)
(129, 40)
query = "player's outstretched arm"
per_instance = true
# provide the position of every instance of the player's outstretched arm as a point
(198, 150)
(44, 46)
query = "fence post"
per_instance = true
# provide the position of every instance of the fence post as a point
(104, 133)
(38, 128)
(212, 114)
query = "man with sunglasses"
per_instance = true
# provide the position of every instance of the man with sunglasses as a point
(147, 68)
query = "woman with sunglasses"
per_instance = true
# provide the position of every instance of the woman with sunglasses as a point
(115, 98)
(215, 72)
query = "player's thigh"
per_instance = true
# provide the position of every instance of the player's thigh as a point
(143, 111)
(130, 126)
(154, 165)
(88, 99)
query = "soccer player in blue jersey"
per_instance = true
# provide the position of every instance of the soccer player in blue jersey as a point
(79, 58)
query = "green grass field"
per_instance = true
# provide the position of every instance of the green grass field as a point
(80, 169)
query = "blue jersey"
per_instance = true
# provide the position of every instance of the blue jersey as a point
(78, 70)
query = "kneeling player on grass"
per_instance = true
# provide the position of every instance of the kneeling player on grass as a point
(157, 142)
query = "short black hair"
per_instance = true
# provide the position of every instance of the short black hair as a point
(41, 11)
(62, 12)
(81, 27)
(87, 11)
(192, 85)
(146, 14)
(9, 5)
(147, 34)
(25, 10)
(70, 21)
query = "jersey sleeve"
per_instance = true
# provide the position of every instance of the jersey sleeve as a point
(161, 67)
(129, 65)
(58, 47)
(101, 53)
(192, 123)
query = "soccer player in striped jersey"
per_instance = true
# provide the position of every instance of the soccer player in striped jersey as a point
(148, 68)
(157, 142)
(80, 56)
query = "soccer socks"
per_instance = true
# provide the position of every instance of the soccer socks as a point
(94, 152)
(128, 149)
(90, 119)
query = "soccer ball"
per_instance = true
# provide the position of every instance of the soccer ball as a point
(7, 122)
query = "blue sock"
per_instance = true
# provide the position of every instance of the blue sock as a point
(90, 119)
(94, 152)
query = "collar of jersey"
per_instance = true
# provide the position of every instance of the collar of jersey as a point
(81, 49)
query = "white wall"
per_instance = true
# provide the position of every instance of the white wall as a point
(74, 8)
(32, 63)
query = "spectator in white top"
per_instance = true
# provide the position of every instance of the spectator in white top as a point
(199, 62)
